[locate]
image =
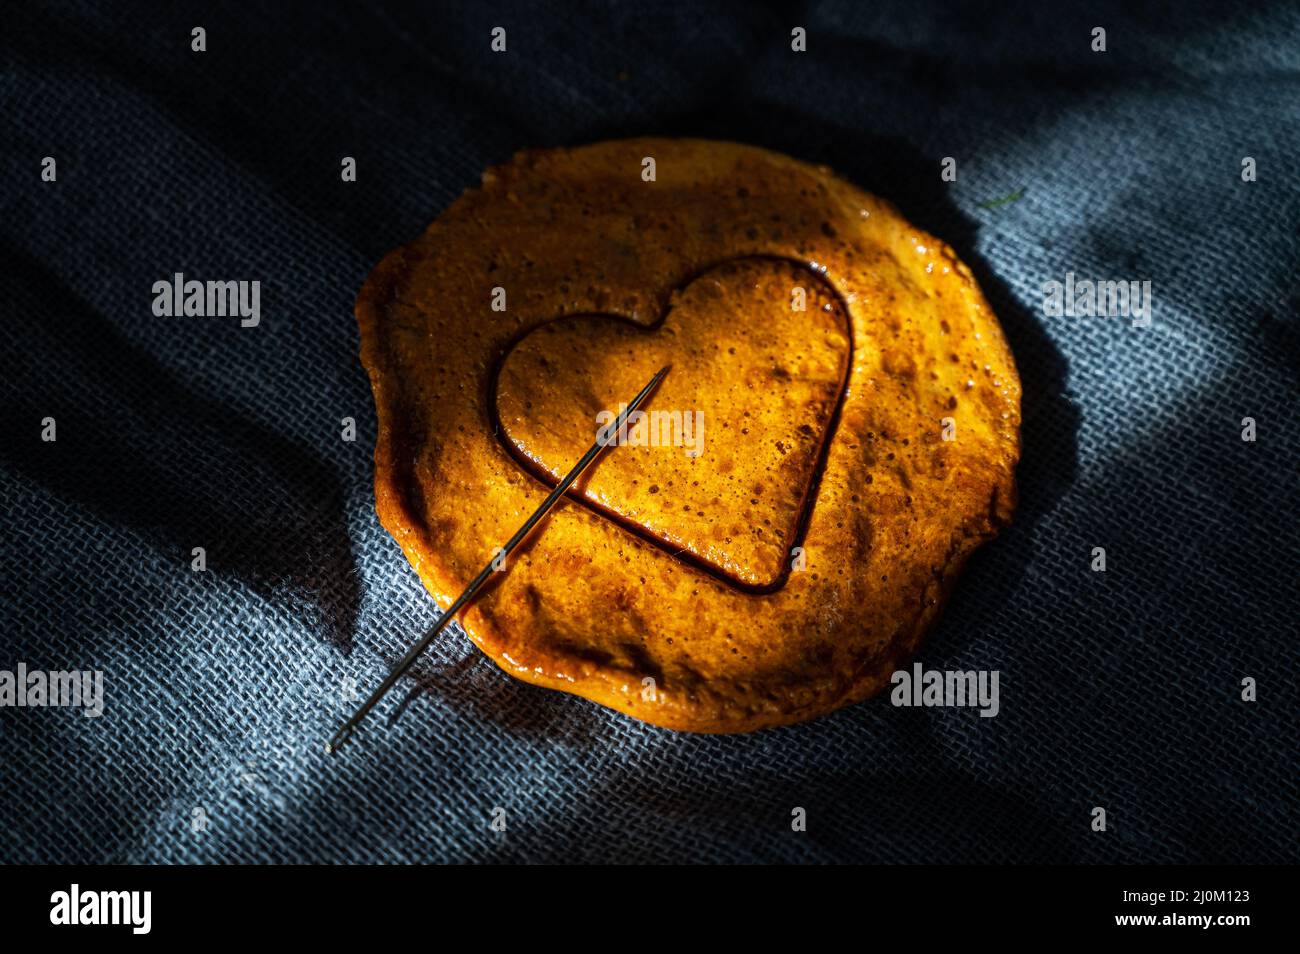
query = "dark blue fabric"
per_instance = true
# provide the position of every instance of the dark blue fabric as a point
(1118, 689)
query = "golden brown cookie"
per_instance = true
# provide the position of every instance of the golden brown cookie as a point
(855, 405)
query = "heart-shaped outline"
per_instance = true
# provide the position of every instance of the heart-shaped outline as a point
(574, 495)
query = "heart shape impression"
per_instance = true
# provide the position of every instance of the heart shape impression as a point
(720, 470)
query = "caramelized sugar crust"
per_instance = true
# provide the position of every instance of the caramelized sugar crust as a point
(720, 465)
(823, 429)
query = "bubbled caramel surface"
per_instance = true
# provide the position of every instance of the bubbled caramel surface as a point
(823, 427)
(719, 465)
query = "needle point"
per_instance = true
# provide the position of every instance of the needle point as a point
(551, 499)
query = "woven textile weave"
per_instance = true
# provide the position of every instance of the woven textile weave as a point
(1119, 689)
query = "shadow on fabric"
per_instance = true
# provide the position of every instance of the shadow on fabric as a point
(136, 448)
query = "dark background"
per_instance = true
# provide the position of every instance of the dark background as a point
(1118, 689)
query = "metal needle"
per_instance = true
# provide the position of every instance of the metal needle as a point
(602, 440)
